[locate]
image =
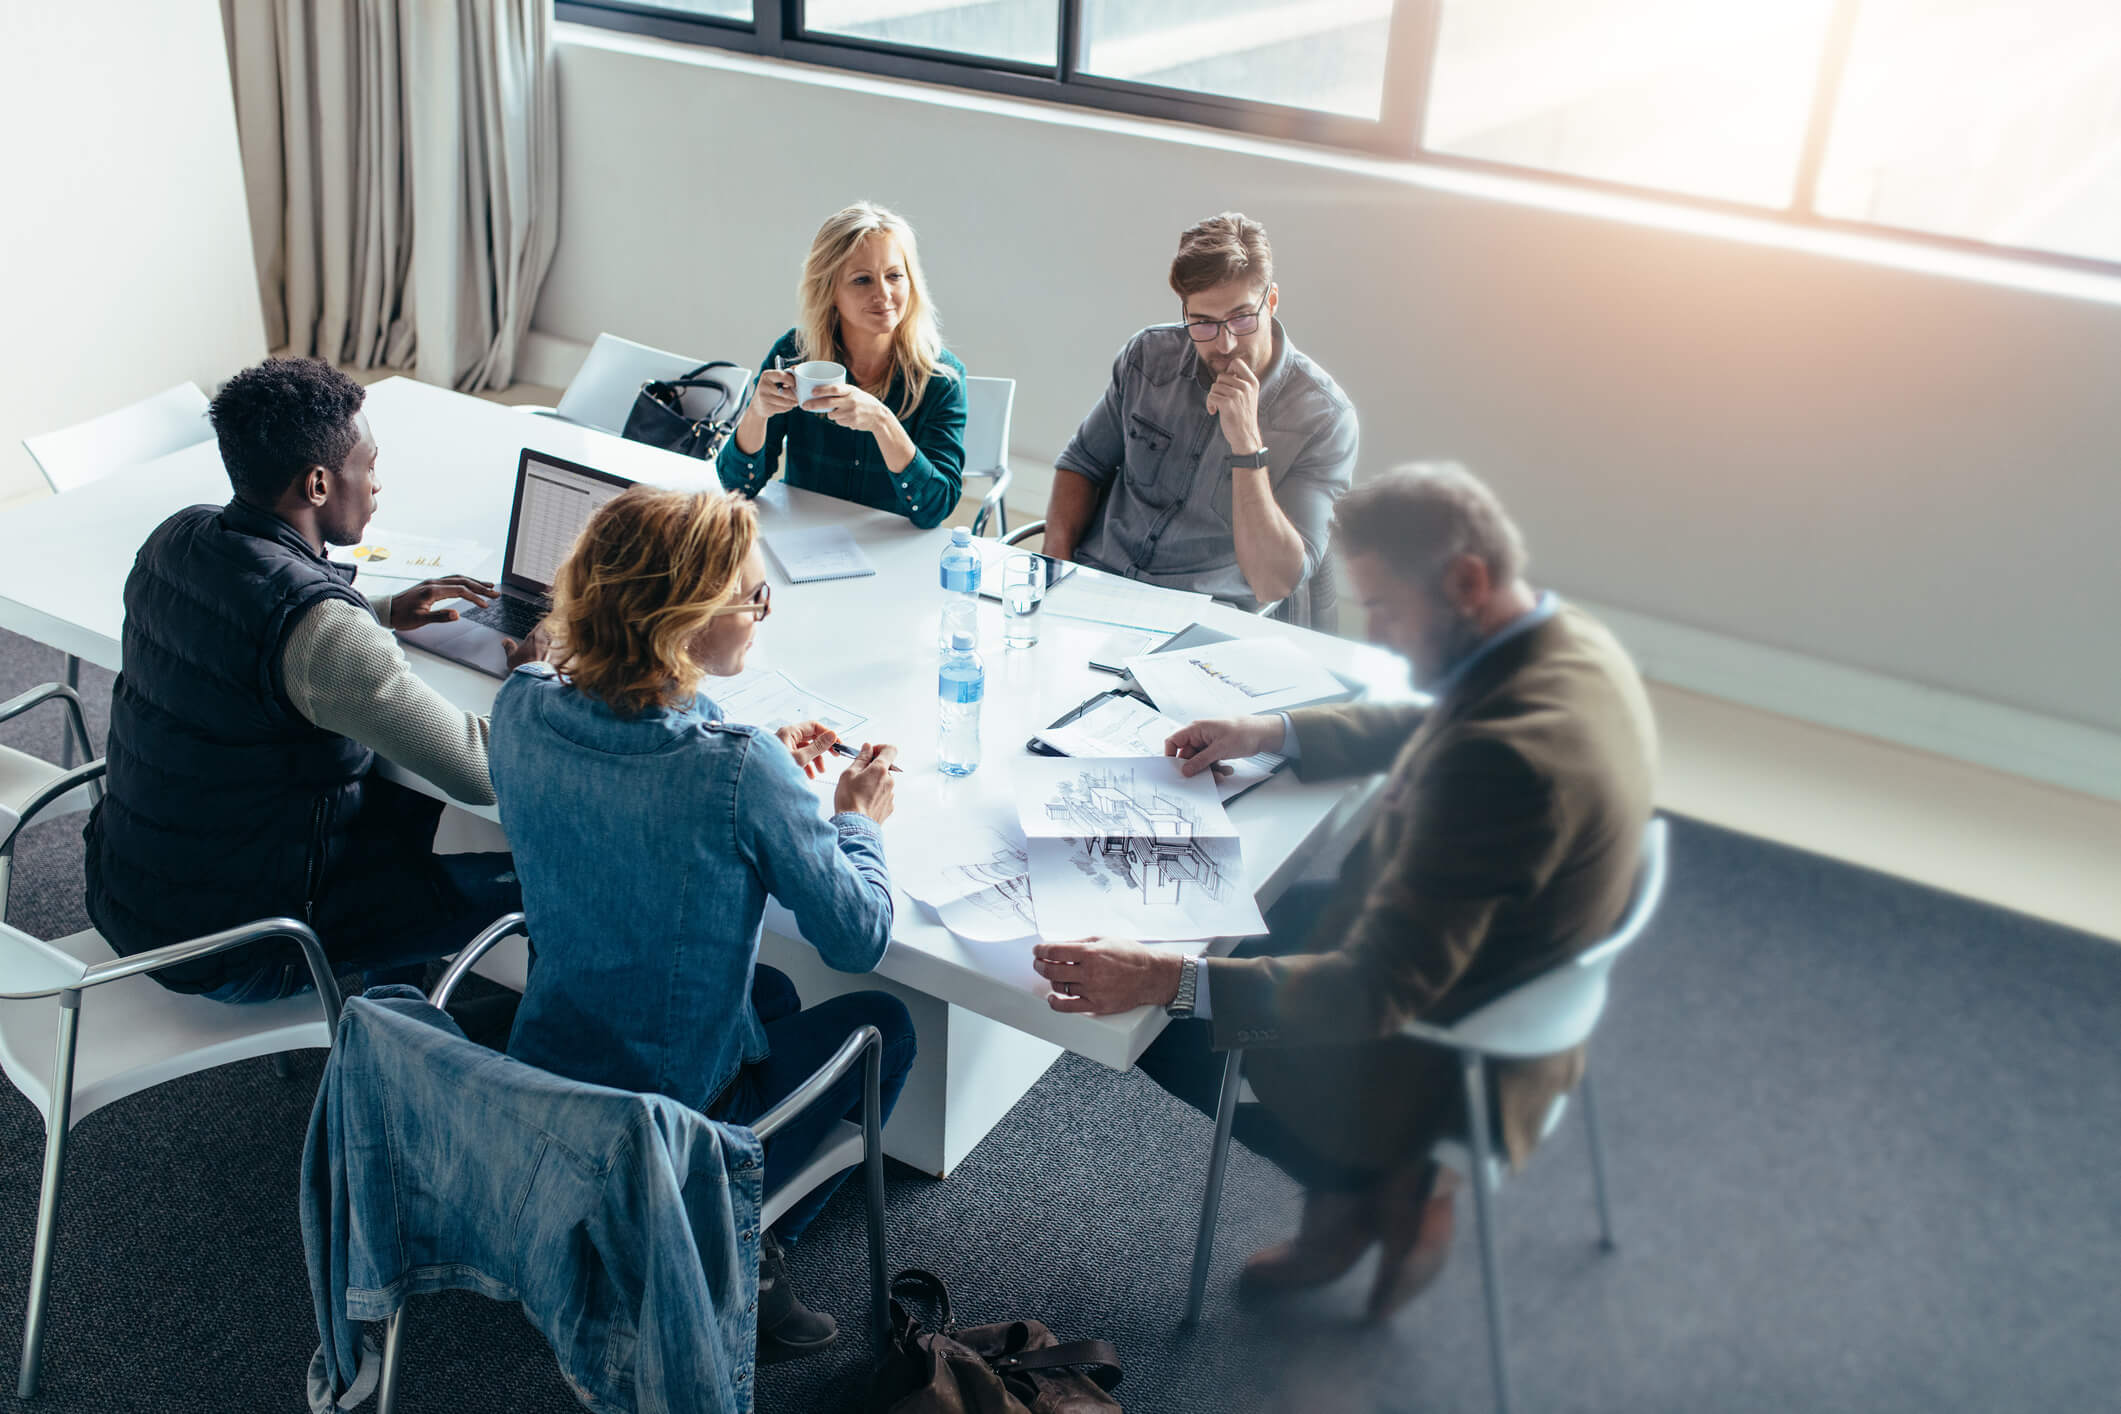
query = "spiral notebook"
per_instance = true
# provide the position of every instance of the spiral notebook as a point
(824, 552)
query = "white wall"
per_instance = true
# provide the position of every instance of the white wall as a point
(125, 256)
(1902, 472)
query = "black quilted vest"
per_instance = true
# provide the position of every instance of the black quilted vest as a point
(224, 804)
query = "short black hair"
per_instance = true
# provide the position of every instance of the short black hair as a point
(281, 418)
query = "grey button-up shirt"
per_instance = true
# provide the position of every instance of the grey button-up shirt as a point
(1158, 452)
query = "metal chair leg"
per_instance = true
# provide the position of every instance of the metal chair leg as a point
(1598, 1179)
(56, 1124)
(282, 1067)
(1483, 1208)
(66, 742)
(393, 1353)
(873, 1195)
(1211, 1200)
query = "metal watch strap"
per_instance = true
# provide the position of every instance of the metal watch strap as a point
(1188, 987)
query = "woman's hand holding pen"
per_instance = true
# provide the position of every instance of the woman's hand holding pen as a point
(866, 787)
(807, 741)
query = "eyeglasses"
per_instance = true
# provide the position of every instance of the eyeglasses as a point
(759, 601)
(1207, 331)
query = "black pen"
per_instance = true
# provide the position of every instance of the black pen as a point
(841, 748)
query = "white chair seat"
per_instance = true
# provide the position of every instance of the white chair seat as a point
(842, 1149)
(137, 1034)
(22, 776)
(170, 421)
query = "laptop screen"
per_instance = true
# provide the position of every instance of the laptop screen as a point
(554, 500)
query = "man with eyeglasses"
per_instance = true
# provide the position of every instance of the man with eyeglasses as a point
(1215, 456)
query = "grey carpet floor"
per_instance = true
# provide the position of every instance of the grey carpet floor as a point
(1863, 1140)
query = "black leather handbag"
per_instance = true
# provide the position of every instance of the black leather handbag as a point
(692, 415)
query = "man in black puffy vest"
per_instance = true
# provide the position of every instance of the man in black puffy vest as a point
(258, 688)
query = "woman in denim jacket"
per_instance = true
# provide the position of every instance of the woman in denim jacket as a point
(648, 832)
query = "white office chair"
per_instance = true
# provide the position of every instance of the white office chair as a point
(170, 421)
(72, 457)
(987, 405)
(136, 1035)
(1553, 1012)
(845, 1147)
(31, 786)
(602, 391)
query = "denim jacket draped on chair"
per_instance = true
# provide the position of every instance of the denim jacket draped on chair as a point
(626, 1225)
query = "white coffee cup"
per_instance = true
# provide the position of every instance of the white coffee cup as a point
(809, 377)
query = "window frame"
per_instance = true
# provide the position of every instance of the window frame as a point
(777, 31)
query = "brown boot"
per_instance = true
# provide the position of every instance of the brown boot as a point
(1337, 1229)
(1415, 1206)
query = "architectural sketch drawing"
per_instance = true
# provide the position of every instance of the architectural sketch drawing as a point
(1144, 839)
(1128, 845)
(985, 898)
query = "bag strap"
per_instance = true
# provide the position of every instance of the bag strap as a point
(915, 1282)
(1099, 1359)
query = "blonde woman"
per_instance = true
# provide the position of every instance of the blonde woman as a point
(893, 435)
(648, 832)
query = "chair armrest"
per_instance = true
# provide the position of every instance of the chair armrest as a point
(863, 1041)
(1025, 532)
(47, 692)
(37, 696)
(992, 501)
(57, 789)
(192, 949)
(507, 925)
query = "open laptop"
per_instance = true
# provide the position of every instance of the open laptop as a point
(554, 500)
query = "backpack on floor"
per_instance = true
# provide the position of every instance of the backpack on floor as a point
(1012, 1367)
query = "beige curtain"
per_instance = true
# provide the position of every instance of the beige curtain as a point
(402, 161)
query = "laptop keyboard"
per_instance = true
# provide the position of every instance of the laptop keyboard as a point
(513, 617)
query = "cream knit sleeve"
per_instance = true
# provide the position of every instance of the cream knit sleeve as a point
(345, 672)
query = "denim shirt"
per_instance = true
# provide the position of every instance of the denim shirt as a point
(847, 463)
(647, 846)
(626, 1225)
(1157, 453)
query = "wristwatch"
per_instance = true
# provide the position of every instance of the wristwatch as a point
(1188, 987)
(1248, 459)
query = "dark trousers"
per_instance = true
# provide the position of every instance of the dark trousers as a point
(1185, 1062)
(800, 1041)
(389, 906)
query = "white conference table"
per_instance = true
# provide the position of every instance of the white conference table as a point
(447, 467)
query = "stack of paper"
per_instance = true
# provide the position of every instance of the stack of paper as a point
(1127, 603)
(1128, 847)
(1233, 679)
(1126, 726)
(769, 698)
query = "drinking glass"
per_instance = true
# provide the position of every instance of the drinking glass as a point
(1023, 591)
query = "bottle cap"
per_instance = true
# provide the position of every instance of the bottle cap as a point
(961, 643)
(961, 536)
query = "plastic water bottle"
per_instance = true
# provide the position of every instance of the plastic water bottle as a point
(959, 686)
(961, 565)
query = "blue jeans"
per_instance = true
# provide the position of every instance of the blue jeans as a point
(388, 920)
(801, 1041)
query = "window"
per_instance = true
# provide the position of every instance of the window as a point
(1020, 31)
(1701, 97)
(1993, 122)
(1989, 121)
(1325, 55)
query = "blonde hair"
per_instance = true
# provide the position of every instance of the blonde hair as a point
(649, 571)
(916, 344)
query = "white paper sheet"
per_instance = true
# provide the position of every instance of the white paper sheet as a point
(1128, 847)
(767, 697)
(1233, 679)
(822, 552)
(1127, 603)
(985, 896)
(1127, 726)
(401, 557)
